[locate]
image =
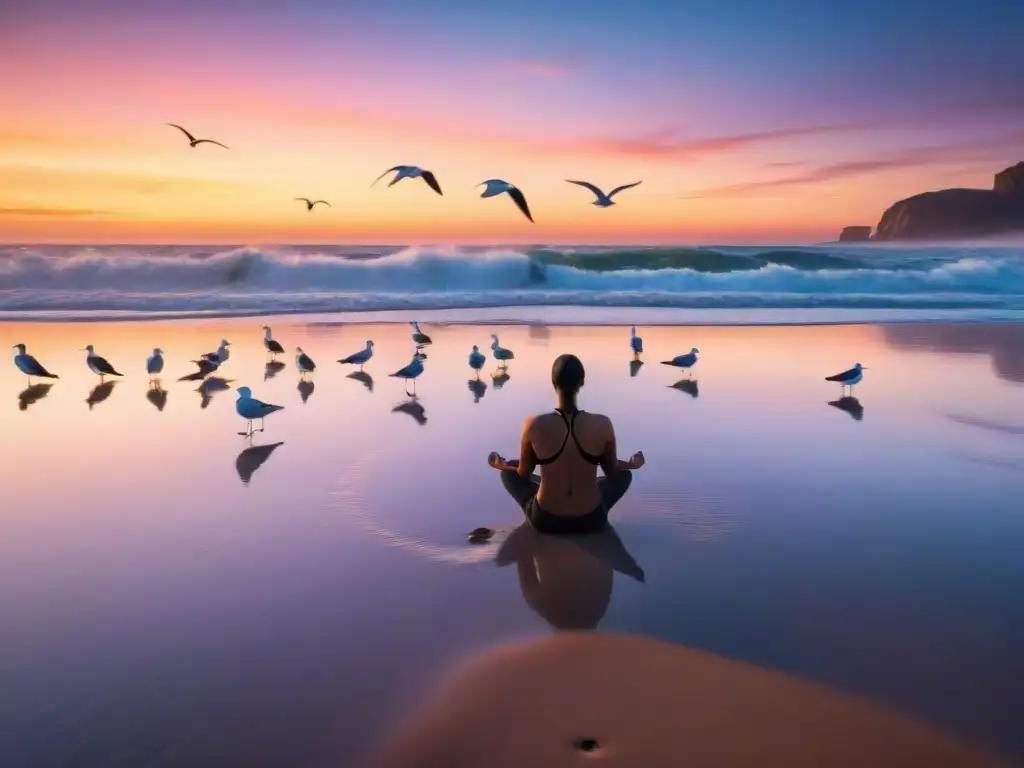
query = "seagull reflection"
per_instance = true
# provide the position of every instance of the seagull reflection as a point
(272, 368)
(567, 580)
(851, 405)
(251, 459)
(413, 408)
(363, 378)
(689, 386)
(478, 387)
(210, 387)
(157, 396)
(32, 394)
(305, 389)
(634, 367)
(499, 377)
(100, 393)
(196, 376)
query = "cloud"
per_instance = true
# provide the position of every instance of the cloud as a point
(539, 68)
(53, 212)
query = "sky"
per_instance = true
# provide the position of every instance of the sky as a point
(775, 121)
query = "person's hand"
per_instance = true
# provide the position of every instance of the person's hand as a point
(637, 460)
(495, 459)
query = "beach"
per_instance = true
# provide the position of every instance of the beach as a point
(174, 595)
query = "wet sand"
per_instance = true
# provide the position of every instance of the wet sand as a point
(175, 596)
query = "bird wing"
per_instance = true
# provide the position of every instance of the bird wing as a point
(190, 136)
(103, 366)
(516, 194)
(842, 376)
(306, 362)
(432, 182)
(389, 170)
(322, 201)
(306, 200)
(211, 141)
(589, 186)
(624, 186)
(274, 346)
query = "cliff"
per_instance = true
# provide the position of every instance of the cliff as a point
(959, 213)
(855, 235)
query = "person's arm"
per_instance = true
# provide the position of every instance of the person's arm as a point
(527, 460)
(610, 461)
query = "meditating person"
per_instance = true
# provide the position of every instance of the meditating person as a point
(568, 446)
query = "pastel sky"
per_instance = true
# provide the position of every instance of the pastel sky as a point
(760, 121)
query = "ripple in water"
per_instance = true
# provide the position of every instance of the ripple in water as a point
(702, 519)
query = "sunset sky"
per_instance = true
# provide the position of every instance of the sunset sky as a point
(749, 122)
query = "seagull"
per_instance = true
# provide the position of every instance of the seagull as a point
(501, 354)
(360, 358)
(477, 359)
(635, 342)
(410, 172)
(30, 366)
(98, 365)
(497, 186)
(273, 347)
(219, 357)
(850, 377)
(303, 362)
(310, 203)
(410, 372)
(683, 361)
(603, 200)
(155, 363)
(419, 337)
(250, 409)
(193, 141)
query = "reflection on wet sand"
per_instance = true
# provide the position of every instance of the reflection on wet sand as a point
(252, 458)
(539, 333)
(100, 393)
(478, 387)
(271, 369)
(634, 367)
(412, 407)
(306, 387)
(32, 394)
(500, 377)
(1003, 342)
(689, 386)
(210, 387)
(363, 378)
(1014, 429)
(851, 405)
(157, 396)
(567, 580)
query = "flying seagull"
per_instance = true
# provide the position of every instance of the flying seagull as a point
(497, 186)
(686, 361)
(359, 358)
(30, 366)
(250, 409)
(310, 203)
(155, 363)
(273, 347)
(850, 377)
(97, 364)
(603, 200)
(193, 141)
(419, 338)
(410, 172)
(303, 362)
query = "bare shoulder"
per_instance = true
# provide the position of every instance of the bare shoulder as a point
(601, 422)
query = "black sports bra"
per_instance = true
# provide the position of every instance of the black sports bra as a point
(570, 431)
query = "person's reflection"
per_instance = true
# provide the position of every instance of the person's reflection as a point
(689, 386)
(157, 396)
(634, 367)
(100, 393)
(567, 580)
(500, 377)
(851, 405)
(251, 459)
(32, 394)
(478, 387)
(305, 389)
(271, 369)
(412, 407)
(363, 378)
(210, 387)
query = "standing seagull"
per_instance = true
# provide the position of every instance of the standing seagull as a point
(635, 342)
(501, 354)
(361, 357)
(410, 372)
(219, 357)
(30, 366)
(303, 362)
(273, 347)
(155, 363)
(477, 360)
(410, 172)
(497, 186)
(250, 409)
(310, 203)
(683, 361)
(193, 141)
(420, 339)
(850, 377)
(97, 364)
(603, 200)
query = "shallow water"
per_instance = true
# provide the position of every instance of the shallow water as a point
(169, 599)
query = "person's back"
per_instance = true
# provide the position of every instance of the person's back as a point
(568, 445)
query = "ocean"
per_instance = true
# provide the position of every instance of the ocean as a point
(834, 282)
